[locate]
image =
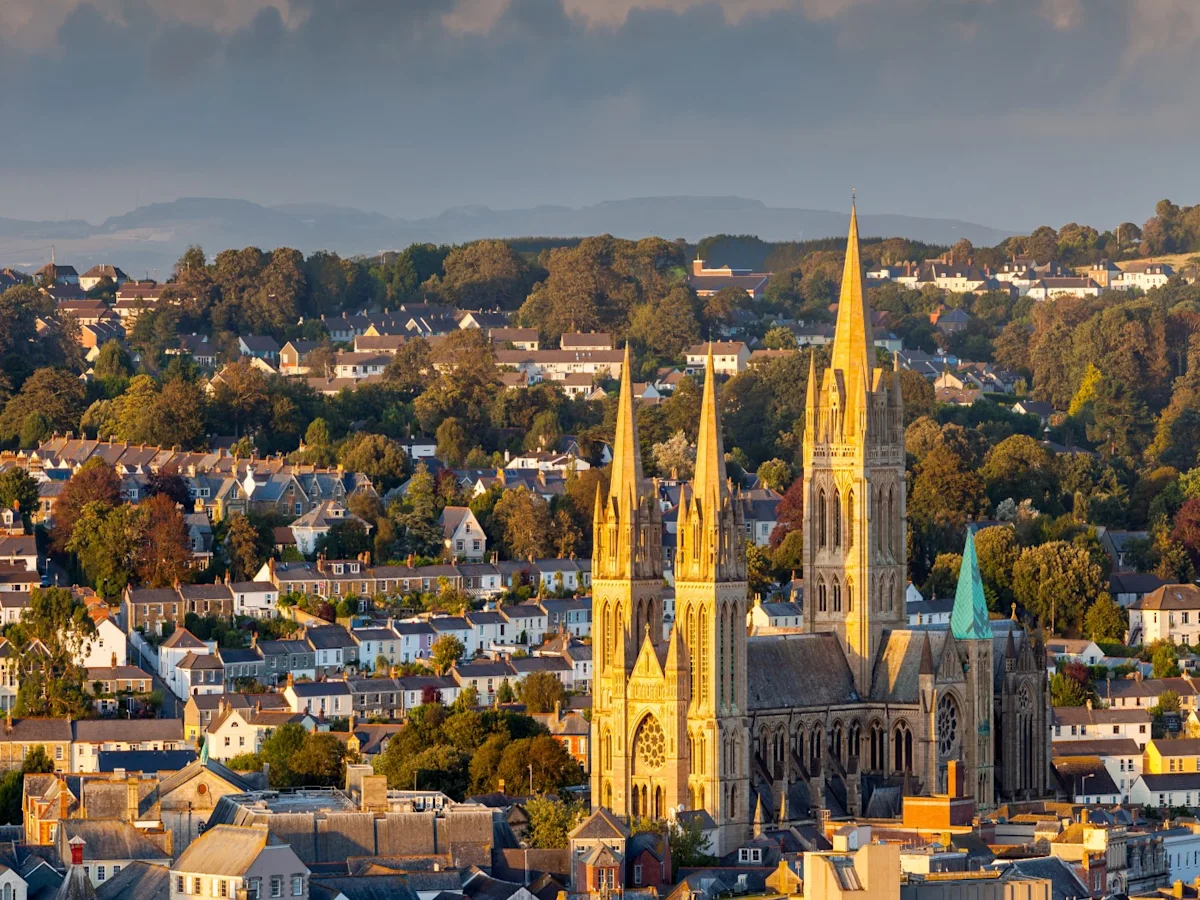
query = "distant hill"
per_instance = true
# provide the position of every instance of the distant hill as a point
(153, 237)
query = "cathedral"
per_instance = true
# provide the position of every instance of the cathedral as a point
(851, 714)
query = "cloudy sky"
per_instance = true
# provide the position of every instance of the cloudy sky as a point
(1006, 112)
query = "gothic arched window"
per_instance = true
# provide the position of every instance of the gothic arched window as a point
(947, 726)
(854, 740)
(837, 596)
(850, 519)
(891, 523)
(822, 599)
(822, 515)
(837, 519)
(849, 595)
(902, 748)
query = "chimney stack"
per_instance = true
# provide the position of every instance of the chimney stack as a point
(76, 850)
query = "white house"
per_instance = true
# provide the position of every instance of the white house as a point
(527, 623)
(1180, 789)
(318, 521)
(1122, 759)
(109, 646)
(457, 627)
(13, 885)
(489, 628)
(234, 731)
(729, 357)
(255, 598)
(330, 699)
(1053, 288)
(1068, 650)
(1143, 276)
(238, 861)
(376, 642)
(1085, 723)
(1170, 613)
(173, 651)
(774, 615)
(462, 534)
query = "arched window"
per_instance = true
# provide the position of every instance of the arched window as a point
(947, 726)
(822, 600)
(878, 750)
(837, 519)
(816, 740)
(838, 735)
(892, 597)
(837, 596)
(891, 523)
(877, 518)
(849, 595)
(902, 746)
(603, 620)
(821, 519)
(850, 519)
(854, 741)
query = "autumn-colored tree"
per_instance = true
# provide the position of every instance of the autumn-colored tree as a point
(245, 551)
(789, 513)
(165, 554)
(94, 482)
(540, 691)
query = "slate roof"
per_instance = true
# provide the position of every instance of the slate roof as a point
(137, 881)
(182, 638)
(797, 670)
(361, 887)
(1170, 596)
(600, 825)
(228, 850)
(329, 637)
(111, 839)
(99, 731)
(145, 760)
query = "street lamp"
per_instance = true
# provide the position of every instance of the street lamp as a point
(1083, 783)
(531, 779)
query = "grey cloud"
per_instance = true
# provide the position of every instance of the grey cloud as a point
(429, 103)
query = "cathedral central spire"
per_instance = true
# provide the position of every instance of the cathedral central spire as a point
(852, 340)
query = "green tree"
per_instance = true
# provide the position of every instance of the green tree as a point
(1067, 691)
(943, 577)
(376, 456)
(780, 338)
(675, 457)
(320, 761)
(19, 491)
(1165, 661)
(451, 442)
(483, 275)
(552, 767)
(540, 691)
(445, 652)
(551, 821)
(278, 751)
(107, 541)
(998, 551)
(505, 693)
(525, 523)
(1105, 620)
(775, 474)
(1055, 582)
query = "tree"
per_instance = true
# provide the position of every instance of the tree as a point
(945, 491)
(997, 551)
(445, 652)
(1020, 468)
(689, 847)
(505, 693)
(1105, 620)
(1055, 582)
(1165, 661)
(675, 457)
(108, 543)
(278, 751)
(540, 691)
(320, 761)
(55, 396)
(165, 554)
(943, 577)
(376, 456)
(780, 338)
(1067, 691)
(451, 442)
(526, 526)
(775, 474)
(789, 513)
(553, 768)
(19, 491)
(483, 275)
(551, 820)
(113, 363)
(467, 699)
(918, 394)
(245, 548)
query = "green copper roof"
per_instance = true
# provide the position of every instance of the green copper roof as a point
(969, 619)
